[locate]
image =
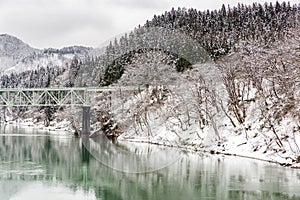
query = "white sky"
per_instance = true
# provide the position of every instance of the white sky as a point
(59, 23)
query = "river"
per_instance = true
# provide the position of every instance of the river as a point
(38, 165)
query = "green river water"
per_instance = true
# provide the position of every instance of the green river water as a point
(37, 165)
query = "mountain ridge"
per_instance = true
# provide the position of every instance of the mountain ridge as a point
(17, 56)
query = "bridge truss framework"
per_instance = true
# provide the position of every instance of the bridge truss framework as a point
(41, 97)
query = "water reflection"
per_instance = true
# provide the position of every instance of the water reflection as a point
(131, 157)
(60, 165)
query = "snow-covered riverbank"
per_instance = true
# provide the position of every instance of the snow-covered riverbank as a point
(247, 144)
(234, 142)
(56, 128)
(177, 122)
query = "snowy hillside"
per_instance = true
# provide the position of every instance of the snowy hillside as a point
(14, 47)
(17, 56)
(12, 51)
(259, 120)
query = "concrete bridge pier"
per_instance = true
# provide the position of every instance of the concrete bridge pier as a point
(86, 129)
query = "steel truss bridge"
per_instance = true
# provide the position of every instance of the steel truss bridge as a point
(16, 97)
(41, 97)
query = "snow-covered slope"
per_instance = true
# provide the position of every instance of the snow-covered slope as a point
(12, 51)
(260, 118)
(17, 56)
(14, 47)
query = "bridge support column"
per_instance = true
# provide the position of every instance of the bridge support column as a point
(85, 146)
(85, 121)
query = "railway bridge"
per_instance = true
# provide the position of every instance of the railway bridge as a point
(41, 97)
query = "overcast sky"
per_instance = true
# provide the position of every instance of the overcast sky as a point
(59, 23)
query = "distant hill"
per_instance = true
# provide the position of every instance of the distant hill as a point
(13, 47)
(12, 51)
(17, 56)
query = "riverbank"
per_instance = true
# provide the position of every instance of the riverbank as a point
(176, 119)
(62, 127)
(233, 144)
(242, 150)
